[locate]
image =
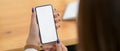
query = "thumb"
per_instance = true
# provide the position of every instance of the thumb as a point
(33, 16)
(58, 46)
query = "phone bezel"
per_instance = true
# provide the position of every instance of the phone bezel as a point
(38, 23)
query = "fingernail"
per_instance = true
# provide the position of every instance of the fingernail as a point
(58, 14)
(32, 10)
(58, 41)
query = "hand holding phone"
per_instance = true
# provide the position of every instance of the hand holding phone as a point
(46, 23)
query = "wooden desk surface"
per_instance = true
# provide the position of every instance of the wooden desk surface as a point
(15, 16)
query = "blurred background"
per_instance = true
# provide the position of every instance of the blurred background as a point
(15, 17)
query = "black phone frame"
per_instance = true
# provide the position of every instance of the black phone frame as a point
(54, 23)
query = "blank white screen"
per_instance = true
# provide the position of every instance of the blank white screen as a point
(46, 24)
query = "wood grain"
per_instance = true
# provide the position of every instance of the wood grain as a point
(15, 17)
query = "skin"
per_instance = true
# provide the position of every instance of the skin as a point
(34, 39)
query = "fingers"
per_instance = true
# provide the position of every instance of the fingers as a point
(34, 22)
(34, 26)
(57, 18)
(49, 47)
(57, 15)
(33, 16)
(58, 47)
(34, 31)
(54, 47)
(63, 47)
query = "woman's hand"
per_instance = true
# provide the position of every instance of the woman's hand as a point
(33, 38)
(54, 47)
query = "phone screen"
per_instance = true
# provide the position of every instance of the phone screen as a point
(46, 22)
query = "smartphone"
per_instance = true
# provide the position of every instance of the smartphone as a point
(46, 23)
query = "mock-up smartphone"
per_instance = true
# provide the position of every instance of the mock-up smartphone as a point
(46, 23)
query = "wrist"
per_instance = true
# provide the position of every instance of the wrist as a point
(32, 43)
(31, 46)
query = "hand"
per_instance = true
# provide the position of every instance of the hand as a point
(33, 38)
(54, 47)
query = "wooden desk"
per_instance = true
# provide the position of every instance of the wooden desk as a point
(15, 16)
